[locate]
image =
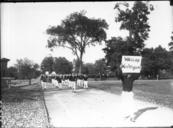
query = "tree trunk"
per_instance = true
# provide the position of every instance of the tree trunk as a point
(80, 63)
(127, 84)
(29, 81)
(80, 68)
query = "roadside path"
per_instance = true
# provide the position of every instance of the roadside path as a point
(94, 108)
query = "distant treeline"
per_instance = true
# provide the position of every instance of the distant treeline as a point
(156, 63)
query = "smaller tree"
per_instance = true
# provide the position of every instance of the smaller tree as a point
(89, 68)
(161, 59)
(154, 61)
(85, 69)
(147, 62)
(100, 67)
(171, 43)
(36, 70)
(47, 64)
(26, 69)
(171, 52)
(12, 72)
(62, 65)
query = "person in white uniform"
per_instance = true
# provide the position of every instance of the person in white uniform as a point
(43, 81)
(85, 78)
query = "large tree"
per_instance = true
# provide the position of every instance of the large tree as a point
(135, 20)
(76, 32)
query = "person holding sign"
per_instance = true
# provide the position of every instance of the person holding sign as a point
(130, 67)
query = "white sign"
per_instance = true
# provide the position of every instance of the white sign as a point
(131, 64)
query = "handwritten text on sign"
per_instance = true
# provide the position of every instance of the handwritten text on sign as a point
(131, 64)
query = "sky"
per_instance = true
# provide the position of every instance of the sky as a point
(23, 28)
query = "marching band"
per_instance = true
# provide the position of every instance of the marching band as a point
(64, 80)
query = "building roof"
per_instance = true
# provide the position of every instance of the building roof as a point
(4, 59)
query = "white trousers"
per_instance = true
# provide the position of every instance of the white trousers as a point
(128, 104)
(67, 83)
(56, 84)
(60, 85)
(63, 83)
(73, 85)
(85, 84)
(43, 85)
(80, 83)
(53, 82)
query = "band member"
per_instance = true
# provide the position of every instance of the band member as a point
(82, 80)
(58, 81)
(62, 80)
(69, 80)
(66, 80)
(47, 76)
(43, 81)
(73, 82)
(53, 79)
(78, 80)
(85, 81)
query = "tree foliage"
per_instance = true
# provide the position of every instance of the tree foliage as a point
(135, 21)
(171, 43)
(27, 69)
(76, 32)
(12, 72)
(47, 64)
(155, 60)
(89, 68)
(100, 66)
(60, 65)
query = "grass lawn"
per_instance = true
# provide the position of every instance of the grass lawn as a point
(155, 91)
(23, 106)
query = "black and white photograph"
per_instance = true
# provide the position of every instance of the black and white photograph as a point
(86, 64)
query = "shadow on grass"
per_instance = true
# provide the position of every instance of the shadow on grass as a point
(19, 94)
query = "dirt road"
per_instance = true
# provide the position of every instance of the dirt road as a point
(94, 108)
